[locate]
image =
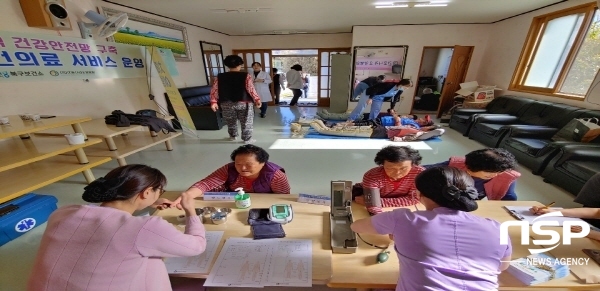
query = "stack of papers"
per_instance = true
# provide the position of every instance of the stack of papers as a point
(199, 264)
(245, 262)
(538, 268)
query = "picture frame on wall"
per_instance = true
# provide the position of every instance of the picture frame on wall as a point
(371, 61)
(145, 31)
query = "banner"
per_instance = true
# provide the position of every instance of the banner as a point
(169, 59)
(181, 111)
(377, 63)
(35, 57)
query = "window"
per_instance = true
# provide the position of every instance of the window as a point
(561, 55)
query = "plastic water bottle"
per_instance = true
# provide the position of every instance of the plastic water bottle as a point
(242, 199)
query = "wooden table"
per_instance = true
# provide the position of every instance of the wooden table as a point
(309, 223)
(31, 162)
(134, 138)
(361, 271)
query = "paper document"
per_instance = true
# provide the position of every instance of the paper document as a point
(197, 264)
(245, 262)
(523, 213)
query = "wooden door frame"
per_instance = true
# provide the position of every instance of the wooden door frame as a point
(419, 74)
(439, 113)
(262, 51)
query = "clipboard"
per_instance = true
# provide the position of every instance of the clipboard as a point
(523, 213)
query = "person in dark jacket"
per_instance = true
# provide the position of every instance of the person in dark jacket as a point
(234, 92)
(379, 92)
(360, 88)
(278, 80)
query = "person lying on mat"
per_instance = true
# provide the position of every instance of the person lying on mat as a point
(250, 169)
(393, 179)
(392, 119)
(492, 170)
(443, 247)
(105, 247)
(394, 133)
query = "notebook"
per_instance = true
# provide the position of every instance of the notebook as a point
(538, 268)
(523, 213)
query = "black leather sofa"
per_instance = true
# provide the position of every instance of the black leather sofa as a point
(533, 145)
(197, 102)
(491, 129)
(573, 166)
(463, 118)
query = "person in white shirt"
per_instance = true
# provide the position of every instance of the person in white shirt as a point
(261, 81)
(294, 83)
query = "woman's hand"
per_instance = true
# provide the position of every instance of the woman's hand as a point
(369, 101)
(193, 192)
(258, 104)
(188, 203)
(214, 107)
(539, 210)
(162, 204)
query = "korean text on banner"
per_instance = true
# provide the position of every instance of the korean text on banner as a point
(173, 94)
(36, 57)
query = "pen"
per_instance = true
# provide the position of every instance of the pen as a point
(549, 205)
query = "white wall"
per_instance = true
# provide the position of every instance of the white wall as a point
(430, 60)
(418, 36)
(99, 97)
(502, 53)
(292, 41)
(442, 65)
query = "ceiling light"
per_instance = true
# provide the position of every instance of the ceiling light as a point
(431, 5)
(392, 6)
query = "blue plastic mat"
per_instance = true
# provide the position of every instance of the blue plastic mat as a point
(312, 133)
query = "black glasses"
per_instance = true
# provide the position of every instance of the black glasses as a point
(162, 191)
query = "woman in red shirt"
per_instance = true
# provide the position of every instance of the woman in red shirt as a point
(394, 179)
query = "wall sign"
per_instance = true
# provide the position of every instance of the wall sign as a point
(36, 57)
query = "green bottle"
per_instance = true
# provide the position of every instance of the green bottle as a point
(242, 199)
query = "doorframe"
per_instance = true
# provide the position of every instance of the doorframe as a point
(322, 101)
(419, 75)
(439, 113)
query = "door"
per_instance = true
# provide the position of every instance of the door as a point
(457, 72)
(324, 62)
(341, 70)
(261, 56)
(214, 65)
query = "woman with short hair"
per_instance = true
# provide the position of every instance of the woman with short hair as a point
(234, 92)
(261, 81)
(295, 82)
(443, 247)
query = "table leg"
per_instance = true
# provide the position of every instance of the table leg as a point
(169, 145)
(121, 161)
(153, 133)
(78, 129)
(89, 177)
(110, 143)
(81, 157)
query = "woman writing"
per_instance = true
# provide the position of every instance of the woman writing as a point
(440, 248)
(261, 81)
(88, 247)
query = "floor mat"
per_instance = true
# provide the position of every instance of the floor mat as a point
(342, 144)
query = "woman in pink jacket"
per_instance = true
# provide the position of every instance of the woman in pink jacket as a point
(105, 247)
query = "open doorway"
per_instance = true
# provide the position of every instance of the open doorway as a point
(283, 60)
(433, 71)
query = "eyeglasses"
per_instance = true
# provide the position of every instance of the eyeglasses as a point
(162, 191)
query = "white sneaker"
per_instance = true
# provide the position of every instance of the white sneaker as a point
(232, 138)
(250, 141)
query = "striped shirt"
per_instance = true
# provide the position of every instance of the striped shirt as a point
(214, 91)
(397, 193)
(215, 182)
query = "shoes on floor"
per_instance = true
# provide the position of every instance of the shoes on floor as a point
(262, 115)
(232, 138)
(250, 141)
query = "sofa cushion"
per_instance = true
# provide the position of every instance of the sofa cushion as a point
(512, 105)
(547, 114)
(461, 118)
(528, 145)
(488, 128)
(201, 100)
(582, 169)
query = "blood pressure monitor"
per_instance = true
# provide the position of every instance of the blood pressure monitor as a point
(281, 213)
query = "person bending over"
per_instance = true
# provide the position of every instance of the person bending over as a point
(250, 169)
(394, 179)
(492, 170)
(380, 91)
(104, 247)
(359, 90)
(440, 247)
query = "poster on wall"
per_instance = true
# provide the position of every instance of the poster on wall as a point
(37, 57)
(375, 61)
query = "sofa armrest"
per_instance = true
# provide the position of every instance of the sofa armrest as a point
(469, 111)
(497, 119)
(531, 131)
(579, 153)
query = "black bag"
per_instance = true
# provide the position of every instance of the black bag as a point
(261, 226)
(120, 118)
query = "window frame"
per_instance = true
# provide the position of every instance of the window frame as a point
(531, 46)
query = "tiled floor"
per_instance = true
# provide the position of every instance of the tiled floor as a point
(309, 171)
